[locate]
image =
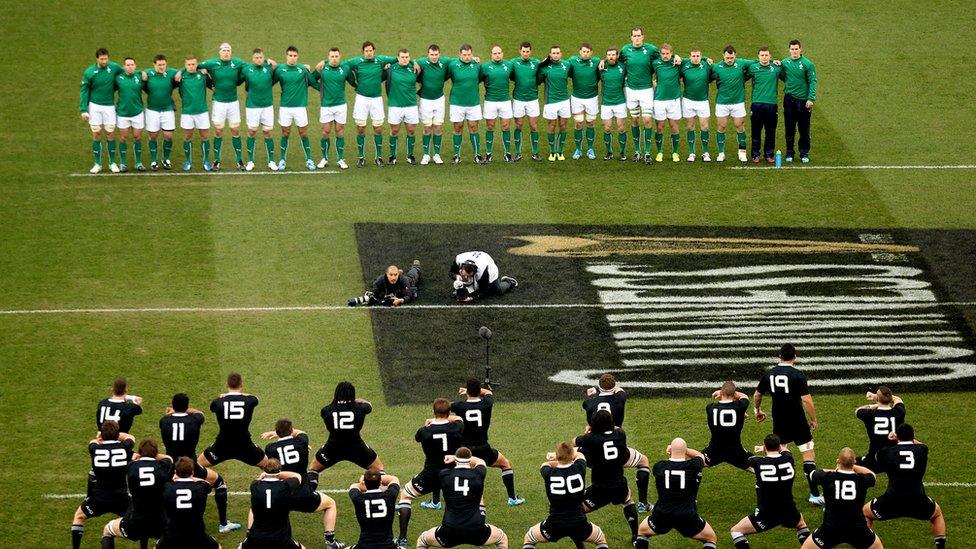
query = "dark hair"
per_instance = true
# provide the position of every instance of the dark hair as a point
(109, 430)
(465, 47)
(795, 42)
(234, 380)
(693, 50)
(442, 407)
(463, 452)
(159, 57)
(333, 49)
(119, 386)
(344, 392)
(601, 421)
(885, 396)
(258, 50)
(184, 467)
(729, 49)
(607, 381)
(372, 478)
(636, 29)
(133, 59)
(762, 49)
(283, 427)
(555, 47)
(905, 432)
(403, 50)
(368, 44)
(100, 52)
(190, 57)
(772, 442)
(612, 50)
(433, 47)
(787, 352)
(291, 49)
(525, 45)
(586, 45)
(272, 466)
(180, 402)
(473, 387)
(148, 448)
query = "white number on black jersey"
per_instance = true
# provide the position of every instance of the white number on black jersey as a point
(375, 508)
(845, 490)
(780, 381)
(771, 473)
(107, 414)
(443, 438)
(667, 479)
(724, 418)
(884, 425)
(559, 486)
(461, 488)
(288, 455)
(233, 410)
(184, 499)
(343, 420)
(179, 432)
(146, 476)
(605, 406)
(473, 416)
(909, 462)
(110, 457)
(610, 451)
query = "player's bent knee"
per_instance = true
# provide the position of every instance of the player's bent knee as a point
(578, 117)
(109, 128)
(325, 502)
(96, 130)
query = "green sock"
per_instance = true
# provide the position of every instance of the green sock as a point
(551, 138)
(507, 141)
(124, 152)
(111, 152)
(648, 132)
(187, 151)
(153, 150)
(622, 140)
(518, 140)
(659, 141)
(218, 144)
(250, 148)
(137, 156)
(578, 138)
(590, 137)
(608, 142)
(167, 148)
(425, 141)
(438, 139)
(97, 150)
(340, 147)
(741, 137)
(269, 145)
(361, 145)
(411, 142)
(489, 141)
(561, 141)
(636, 134)
(690, 134)
(205, 146)
(393, 145)
(456, 139)
(324, 145)
(283, 147)
(236, 142)
(704, 141)
(307, 148)
(475, 139)
(378, 144)
(720, 139)
(534, 139)
(675, 142)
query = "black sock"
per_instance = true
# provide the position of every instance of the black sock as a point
(108, 542)
(708, 545)
(436, 496)
(329, 536)
(220, 498)
(740, 541)
(630, 513)
(313, 479)
(76, 532)
(940, 542)
(640, 542)
(508, 477)
(579, 544)
(643, 479)
(802, 534)
(809, 467)
(144, 543)
(404, 511)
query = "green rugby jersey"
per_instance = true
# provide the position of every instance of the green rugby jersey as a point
(258, 83)
(585, 76)
(432, 77)
(130, 94)
(555, 80)
(668, 79)
(159, 88)
(98, 85)
(801, 78)
(294, 82)
(193, 92)
(465, 78)
(730, 81)
(613, 77)
(331, 83)
(368, 74)
(401, 85)
(524, 73)
(695, 78)
(637, 61)
(496, 75)
(765, 82)
(226, 76)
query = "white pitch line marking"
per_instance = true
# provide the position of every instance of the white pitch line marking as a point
(81, 496)
(200, 174)
(293, 308)
(866, 167)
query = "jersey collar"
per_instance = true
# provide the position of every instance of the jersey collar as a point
(289, 437)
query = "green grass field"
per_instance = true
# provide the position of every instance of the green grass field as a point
(892, 93)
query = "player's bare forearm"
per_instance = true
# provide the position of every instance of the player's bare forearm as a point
(863, 470)
(810, 408)
(692, 453)
(387, 480)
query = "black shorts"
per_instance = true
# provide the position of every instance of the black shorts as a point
(305, 500)
(256, 544)
(140, 527)
(358, 452)
(426, 481)
(869, 462)
(554, 529)
(450, 537)
(858, 537)
(100, 503)
(486, 452)
(767, 519)
(797, 432)
(199, 542)
(598, 495)
(887, 507)
(244, 451)
(687, 524)
(736, 457)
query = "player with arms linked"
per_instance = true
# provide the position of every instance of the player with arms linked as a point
(344, 418)
(845, 489)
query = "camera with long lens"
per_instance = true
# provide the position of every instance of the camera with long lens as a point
(365, 299)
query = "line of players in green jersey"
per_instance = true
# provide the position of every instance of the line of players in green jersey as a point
(649, 85)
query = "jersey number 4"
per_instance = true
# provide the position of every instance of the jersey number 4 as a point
(107, 414)
(461, 487)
